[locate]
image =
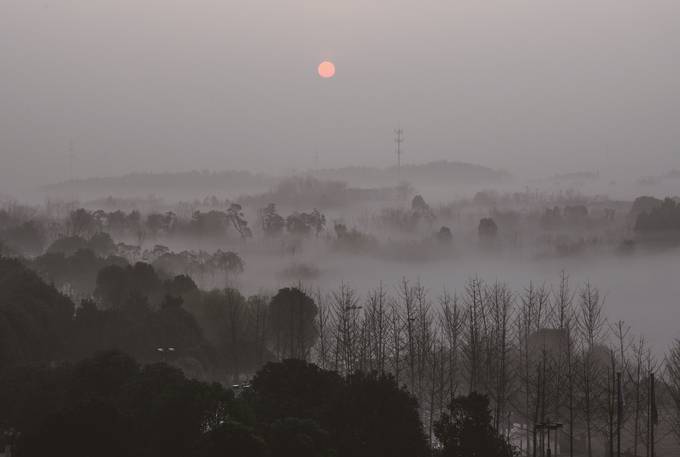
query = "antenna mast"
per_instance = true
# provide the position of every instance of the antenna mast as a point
(398, 140)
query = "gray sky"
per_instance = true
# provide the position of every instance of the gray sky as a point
(167, 85)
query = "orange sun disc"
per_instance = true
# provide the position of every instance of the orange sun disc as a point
(326, 69)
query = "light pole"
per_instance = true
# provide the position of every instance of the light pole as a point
(548, 426)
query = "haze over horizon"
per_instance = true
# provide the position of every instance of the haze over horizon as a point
(529, 86)
(312, 228)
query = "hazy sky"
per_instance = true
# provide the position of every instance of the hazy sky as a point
(166, 85)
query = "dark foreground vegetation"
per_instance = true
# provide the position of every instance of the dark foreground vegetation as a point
(221, 374)
(59, 395)
(109, 405)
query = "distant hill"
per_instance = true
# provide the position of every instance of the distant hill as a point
(232, 183)
(179, 185)
(432, 173)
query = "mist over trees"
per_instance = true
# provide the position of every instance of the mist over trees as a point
(487, 361)
(339, 228)
(304, 368)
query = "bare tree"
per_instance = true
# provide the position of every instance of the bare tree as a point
(406, 294)
(378, 328)
(639, 352)
(591, 324)
(324, 329)
(345, 313)
(396, 339)
(451, 321)
(499, 301)
(673, 382)
(424, 335)
(472, 348)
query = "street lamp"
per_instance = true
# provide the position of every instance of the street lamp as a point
(549, 426)
(240, 389)
(165, 351)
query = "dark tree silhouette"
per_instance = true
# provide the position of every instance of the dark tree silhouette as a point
(27, 238)
(373, 416)
(238, 221)
(487, 229)
(466, 430)
(664, 217)
(293, 437)
(272, 222)
(34, 317)
(231, 438)
(111, 406)
(292, 317)
(294, 388)
(83, 430)
(117, 285)
(444, 235)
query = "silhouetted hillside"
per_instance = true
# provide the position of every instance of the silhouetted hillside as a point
(190, 183)
(233, 182)
(439, 172)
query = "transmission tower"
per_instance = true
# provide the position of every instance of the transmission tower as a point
(398, 140)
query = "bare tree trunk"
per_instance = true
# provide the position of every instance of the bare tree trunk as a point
(406, 292)
(396, 337)
(591, 323)
(452, 322)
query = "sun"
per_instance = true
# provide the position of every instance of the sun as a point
(326, 69)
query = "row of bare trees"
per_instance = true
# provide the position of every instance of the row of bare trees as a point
(545, 354)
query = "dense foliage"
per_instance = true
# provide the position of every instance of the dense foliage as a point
(662, 217)
(110, 405)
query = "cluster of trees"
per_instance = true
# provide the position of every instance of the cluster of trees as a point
(29, 237)
(211, 224)
(218, 266)
(661, 217)
(110, 405)
(35, 319)
(214, 223)
(297, 223)
(74, 274)
(541, 354)
(100, 243)
(137, 311)
(569, 216)
(407, 219)
(487, 229)
(218, 334)
(73, 269)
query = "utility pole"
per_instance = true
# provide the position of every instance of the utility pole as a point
(654, 414)
(398, 140)
(619, 412)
